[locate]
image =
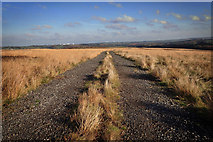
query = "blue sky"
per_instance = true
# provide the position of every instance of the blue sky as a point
(30, 23)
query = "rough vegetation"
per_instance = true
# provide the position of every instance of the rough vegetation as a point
(187, 71)
(98, 115)
(150, 110)
(88, 95)
(44, 113)
(25, 70)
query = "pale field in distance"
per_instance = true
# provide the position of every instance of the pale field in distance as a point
(187, 71)
(24, 70)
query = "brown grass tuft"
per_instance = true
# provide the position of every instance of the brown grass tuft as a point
(89, 115)
(98, 114)
(187, 71)
(24, 70)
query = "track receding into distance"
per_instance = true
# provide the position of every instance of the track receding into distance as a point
(149, 112)
(45, 113)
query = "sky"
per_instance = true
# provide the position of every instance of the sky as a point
(39, 23)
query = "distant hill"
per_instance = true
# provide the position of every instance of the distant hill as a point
(191, 43)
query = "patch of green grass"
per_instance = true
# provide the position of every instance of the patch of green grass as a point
(182, 103)
(7, 102)
(123, 128)
(88, 83)
(37, 102)
(58, 70)
(163, 83)
(46, 79)
(112, 132)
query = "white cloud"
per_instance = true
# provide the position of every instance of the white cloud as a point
(163, 22)
(159, 21)
(124, 18)
(207, 17)
(195, 18)
(178, 16)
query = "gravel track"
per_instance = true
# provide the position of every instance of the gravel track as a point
(44, 114)
(149, 113)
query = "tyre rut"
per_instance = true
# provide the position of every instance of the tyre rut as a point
(149, 113)
(44, 114)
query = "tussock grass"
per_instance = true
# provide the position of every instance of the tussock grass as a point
(89, 115)
(187, 71)
(24, 70)
(98, 114)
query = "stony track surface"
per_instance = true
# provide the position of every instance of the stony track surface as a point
(44, 114)
(148, 111)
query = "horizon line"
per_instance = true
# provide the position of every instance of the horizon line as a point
(107, 42)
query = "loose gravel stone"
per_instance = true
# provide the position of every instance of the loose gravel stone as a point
(149, 113)
(44, 114)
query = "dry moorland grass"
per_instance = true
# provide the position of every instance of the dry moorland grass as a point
(98, 115)
(187, 71)
(24, 70)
